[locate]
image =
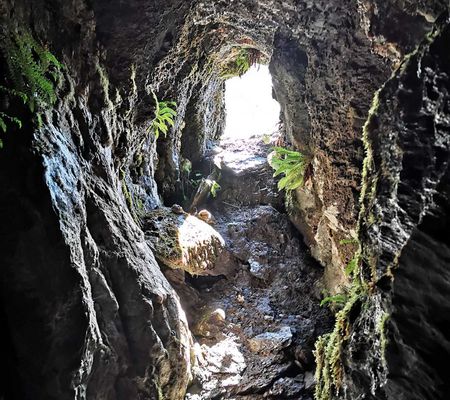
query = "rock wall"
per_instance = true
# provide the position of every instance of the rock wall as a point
(87, 310)
(391, 339)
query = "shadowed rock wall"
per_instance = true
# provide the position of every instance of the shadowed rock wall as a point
(392, 338)
(87, 309)
(88, 312)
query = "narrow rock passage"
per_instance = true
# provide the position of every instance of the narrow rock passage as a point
(256, 328)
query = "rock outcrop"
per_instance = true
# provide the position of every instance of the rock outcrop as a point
(183, 241)
(391, 339)
(86, 308)
(88, 313)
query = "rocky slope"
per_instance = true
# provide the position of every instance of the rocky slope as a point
(87, 311)
(257, 326)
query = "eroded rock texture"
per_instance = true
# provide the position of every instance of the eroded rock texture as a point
(183, 241)
(87, 311)
(397, 335)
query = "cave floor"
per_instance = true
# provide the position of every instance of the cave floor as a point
(255, 328)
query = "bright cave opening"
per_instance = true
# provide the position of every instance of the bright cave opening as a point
(251, 110)
(252, 118)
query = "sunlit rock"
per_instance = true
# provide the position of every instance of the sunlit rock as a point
(183, 241)
(271, 341)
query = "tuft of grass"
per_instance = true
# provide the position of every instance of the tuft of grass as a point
(164, 115)
(291, 164)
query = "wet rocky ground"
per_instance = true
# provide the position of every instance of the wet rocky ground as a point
(255, 327)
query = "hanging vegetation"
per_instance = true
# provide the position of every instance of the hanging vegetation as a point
(32, 75)
(245, 58)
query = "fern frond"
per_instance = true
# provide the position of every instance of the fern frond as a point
(30, 67)
(164, 114)
(336, 299)
(291, 164)
(32, 72)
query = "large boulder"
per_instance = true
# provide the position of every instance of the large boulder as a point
(183, 241)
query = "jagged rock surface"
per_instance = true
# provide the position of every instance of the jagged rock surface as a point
(400, 336)
(86, 309)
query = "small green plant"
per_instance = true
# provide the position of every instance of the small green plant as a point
(32, 70)
(352, 265)
(329, 348)
(339, 298)
(215, 187)
(291, 164)
(32, 74)
(243, 62)
(164, 115)
(245, 58)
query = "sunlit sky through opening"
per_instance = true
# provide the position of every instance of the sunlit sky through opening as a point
(251, 110)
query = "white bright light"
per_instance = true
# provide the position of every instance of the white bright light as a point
(251, 110)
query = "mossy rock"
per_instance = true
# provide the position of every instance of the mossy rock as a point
(182, 241)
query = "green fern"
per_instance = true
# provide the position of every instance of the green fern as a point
(32, 69)
(241, 64)
(164, 115)
(291, 164)
(32, 73)
(336, 299)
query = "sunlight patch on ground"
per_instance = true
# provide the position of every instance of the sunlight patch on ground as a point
(251, 110)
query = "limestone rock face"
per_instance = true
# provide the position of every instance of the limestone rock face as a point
(85, 309)
(183, 241)
(401, 315)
